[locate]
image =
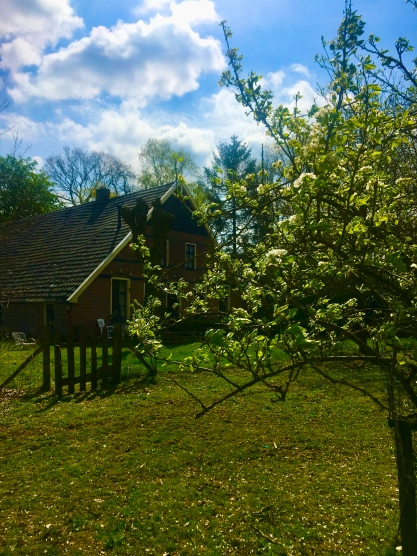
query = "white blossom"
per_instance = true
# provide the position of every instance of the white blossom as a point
(299, 181)
(366, 170)
(263, 188)
(275, 255)
(323, 111)
(402, 181)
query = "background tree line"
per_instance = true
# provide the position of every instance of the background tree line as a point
(72, 176)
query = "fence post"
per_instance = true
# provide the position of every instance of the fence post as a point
(117, 352)
(83, 361)
(70, 360)
(104, 360)
(93, 362)
(58, 371)
(46, 365)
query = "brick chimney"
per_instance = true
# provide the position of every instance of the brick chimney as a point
(102, 195)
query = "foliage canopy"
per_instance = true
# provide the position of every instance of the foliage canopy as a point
(24, 191)
(162, 164)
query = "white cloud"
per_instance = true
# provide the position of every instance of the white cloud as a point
(162, 58)
(226, 117)
(308, 94)
(273, 80)
(284, 94)
(37, 23)
(18, 53)
(194, 12)
(299, 68)
(148, 6)
(123, 129)
(185, 11)
(39, 161)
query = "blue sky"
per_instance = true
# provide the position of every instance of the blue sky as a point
(109, 75)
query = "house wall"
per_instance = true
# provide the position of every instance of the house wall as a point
(94, 302)
(23, 317)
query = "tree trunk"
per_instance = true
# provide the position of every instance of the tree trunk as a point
(407, 487)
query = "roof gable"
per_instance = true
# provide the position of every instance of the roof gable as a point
(49, 257)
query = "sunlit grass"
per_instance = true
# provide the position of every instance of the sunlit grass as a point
(131, 471)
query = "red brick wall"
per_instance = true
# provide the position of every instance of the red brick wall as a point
(94, 302)
(23, 317)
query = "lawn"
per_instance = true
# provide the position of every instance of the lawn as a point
(30, 379)
(130, 471)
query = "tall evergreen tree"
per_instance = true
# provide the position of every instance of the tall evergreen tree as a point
(231, 164)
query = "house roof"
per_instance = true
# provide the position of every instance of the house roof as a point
(48, 257)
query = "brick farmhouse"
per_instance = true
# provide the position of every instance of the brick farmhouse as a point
(71, 267)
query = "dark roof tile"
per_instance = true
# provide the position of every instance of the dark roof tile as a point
(45, 258)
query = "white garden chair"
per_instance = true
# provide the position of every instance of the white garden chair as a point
(102, 326)
(21, 340)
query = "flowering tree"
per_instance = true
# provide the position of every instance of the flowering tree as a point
(333, 285)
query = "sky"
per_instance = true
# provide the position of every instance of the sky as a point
(107, 75)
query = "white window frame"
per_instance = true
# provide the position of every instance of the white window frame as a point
(127, 295)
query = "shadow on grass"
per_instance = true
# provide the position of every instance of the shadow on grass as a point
(124, 386)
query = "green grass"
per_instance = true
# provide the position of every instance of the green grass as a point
(30, 379)
(131, 471)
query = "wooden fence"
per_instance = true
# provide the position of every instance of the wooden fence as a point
(106, 372)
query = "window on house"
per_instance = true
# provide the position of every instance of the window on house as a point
(119, 299)
(190, 252)
(165, 257)
(50, 315)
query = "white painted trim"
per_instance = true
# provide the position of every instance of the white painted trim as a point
(73, 298)
(166, 254)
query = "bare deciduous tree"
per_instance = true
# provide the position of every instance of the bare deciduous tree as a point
(77, 173)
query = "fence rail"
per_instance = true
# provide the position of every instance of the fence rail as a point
(82, 360)
(55, 364)
(107, 371)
